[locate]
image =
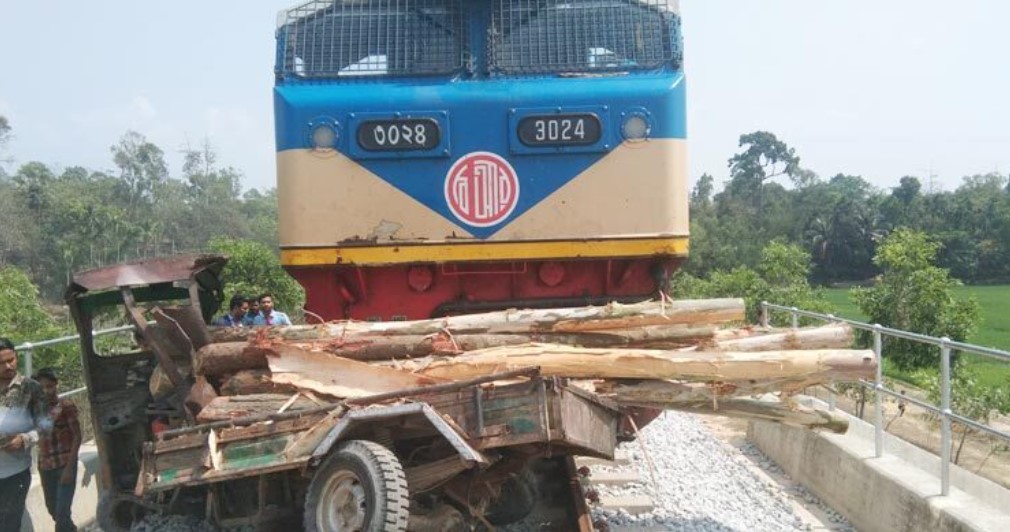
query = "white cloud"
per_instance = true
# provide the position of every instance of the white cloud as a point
(141, 109)
(229, 122)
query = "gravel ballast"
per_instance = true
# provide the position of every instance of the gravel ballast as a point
(705, 484)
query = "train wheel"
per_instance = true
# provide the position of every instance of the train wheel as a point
(361, 487)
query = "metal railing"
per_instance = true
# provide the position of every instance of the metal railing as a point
(26, 351)
(943, 410)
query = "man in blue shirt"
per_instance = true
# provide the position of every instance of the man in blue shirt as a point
(235, 317)
(268, 316)
(254, 310)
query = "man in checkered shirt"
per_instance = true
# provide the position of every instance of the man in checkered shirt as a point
(58, 453)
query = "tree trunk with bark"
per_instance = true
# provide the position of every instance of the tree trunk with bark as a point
(254, 381)
(336, 376)
(228, 358)
(587, 363)
(615, 316)
(371, 347)
(828, 337)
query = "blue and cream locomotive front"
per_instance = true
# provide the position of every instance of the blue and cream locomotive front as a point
(489, 130)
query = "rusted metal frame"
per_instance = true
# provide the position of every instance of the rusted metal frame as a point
(225, 475)
(589, 396)
(164, 358)
(464, 501)
(466, 452)
(427, 476)
(165, 322)
(361, 401)
(583, 519)
(191, 323)
(253, 519)
(494, 442)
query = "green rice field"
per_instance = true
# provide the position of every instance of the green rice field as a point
(993, 331)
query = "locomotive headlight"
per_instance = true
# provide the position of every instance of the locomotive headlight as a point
(636, 126)
(322, 134)
(324, 137)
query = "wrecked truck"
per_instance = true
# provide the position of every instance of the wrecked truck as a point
(468, 455)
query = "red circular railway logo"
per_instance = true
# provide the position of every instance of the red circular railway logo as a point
(481, 189)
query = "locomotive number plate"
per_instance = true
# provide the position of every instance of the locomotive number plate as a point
(399, 134)
(580, 129)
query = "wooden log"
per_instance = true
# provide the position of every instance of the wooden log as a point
(200, 395)
(307, 442)
(587, 363)
(228, 358)
(253, 381)
(838, 336)
(372, 347)
(633, 392)
(759, 410)
(227, 407)
(614, 316)
(336, 376)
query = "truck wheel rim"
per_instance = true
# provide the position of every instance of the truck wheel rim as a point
(343, 506)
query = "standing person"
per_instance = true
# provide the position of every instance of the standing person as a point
(254, 310)
(238, 307)
(269, 316)
(58, 453)
(22, 417)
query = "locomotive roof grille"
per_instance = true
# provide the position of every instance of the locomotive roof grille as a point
(578, 36)
(326, 38)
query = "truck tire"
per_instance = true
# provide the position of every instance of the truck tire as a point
(114, 514)
(359, 487)
(518, 498)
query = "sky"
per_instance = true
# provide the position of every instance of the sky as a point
(863, 87)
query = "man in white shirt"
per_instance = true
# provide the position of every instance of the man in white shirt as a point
(23, 415)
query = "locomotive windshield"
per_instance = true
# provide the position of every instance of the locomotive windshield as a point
(583, 35)
(372, 37)
(352, 38)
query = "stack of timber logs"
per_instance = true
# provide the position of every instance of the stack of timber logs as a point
(692, 355)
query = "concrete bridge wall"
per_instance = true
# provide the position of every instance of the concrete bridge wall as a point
(898, 492)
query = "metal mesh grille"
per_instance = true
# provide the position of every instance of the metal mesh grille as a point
(540, 36)
(333, 38)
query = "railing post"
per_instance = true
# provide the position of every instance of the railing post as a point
(764, 314)
(794, 318)
(879, 396)
(29, 359)
(945, 416)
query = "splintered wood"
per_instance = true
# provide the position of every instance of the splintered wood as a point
(693, 356)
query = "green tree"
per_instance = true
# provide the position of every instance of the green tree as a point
(764, 157)
(25, 319)
(141, 164)
(21, 311)
(971, 399)
(915, 295)
(254, 269)
(780, 277)
(5, 135)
